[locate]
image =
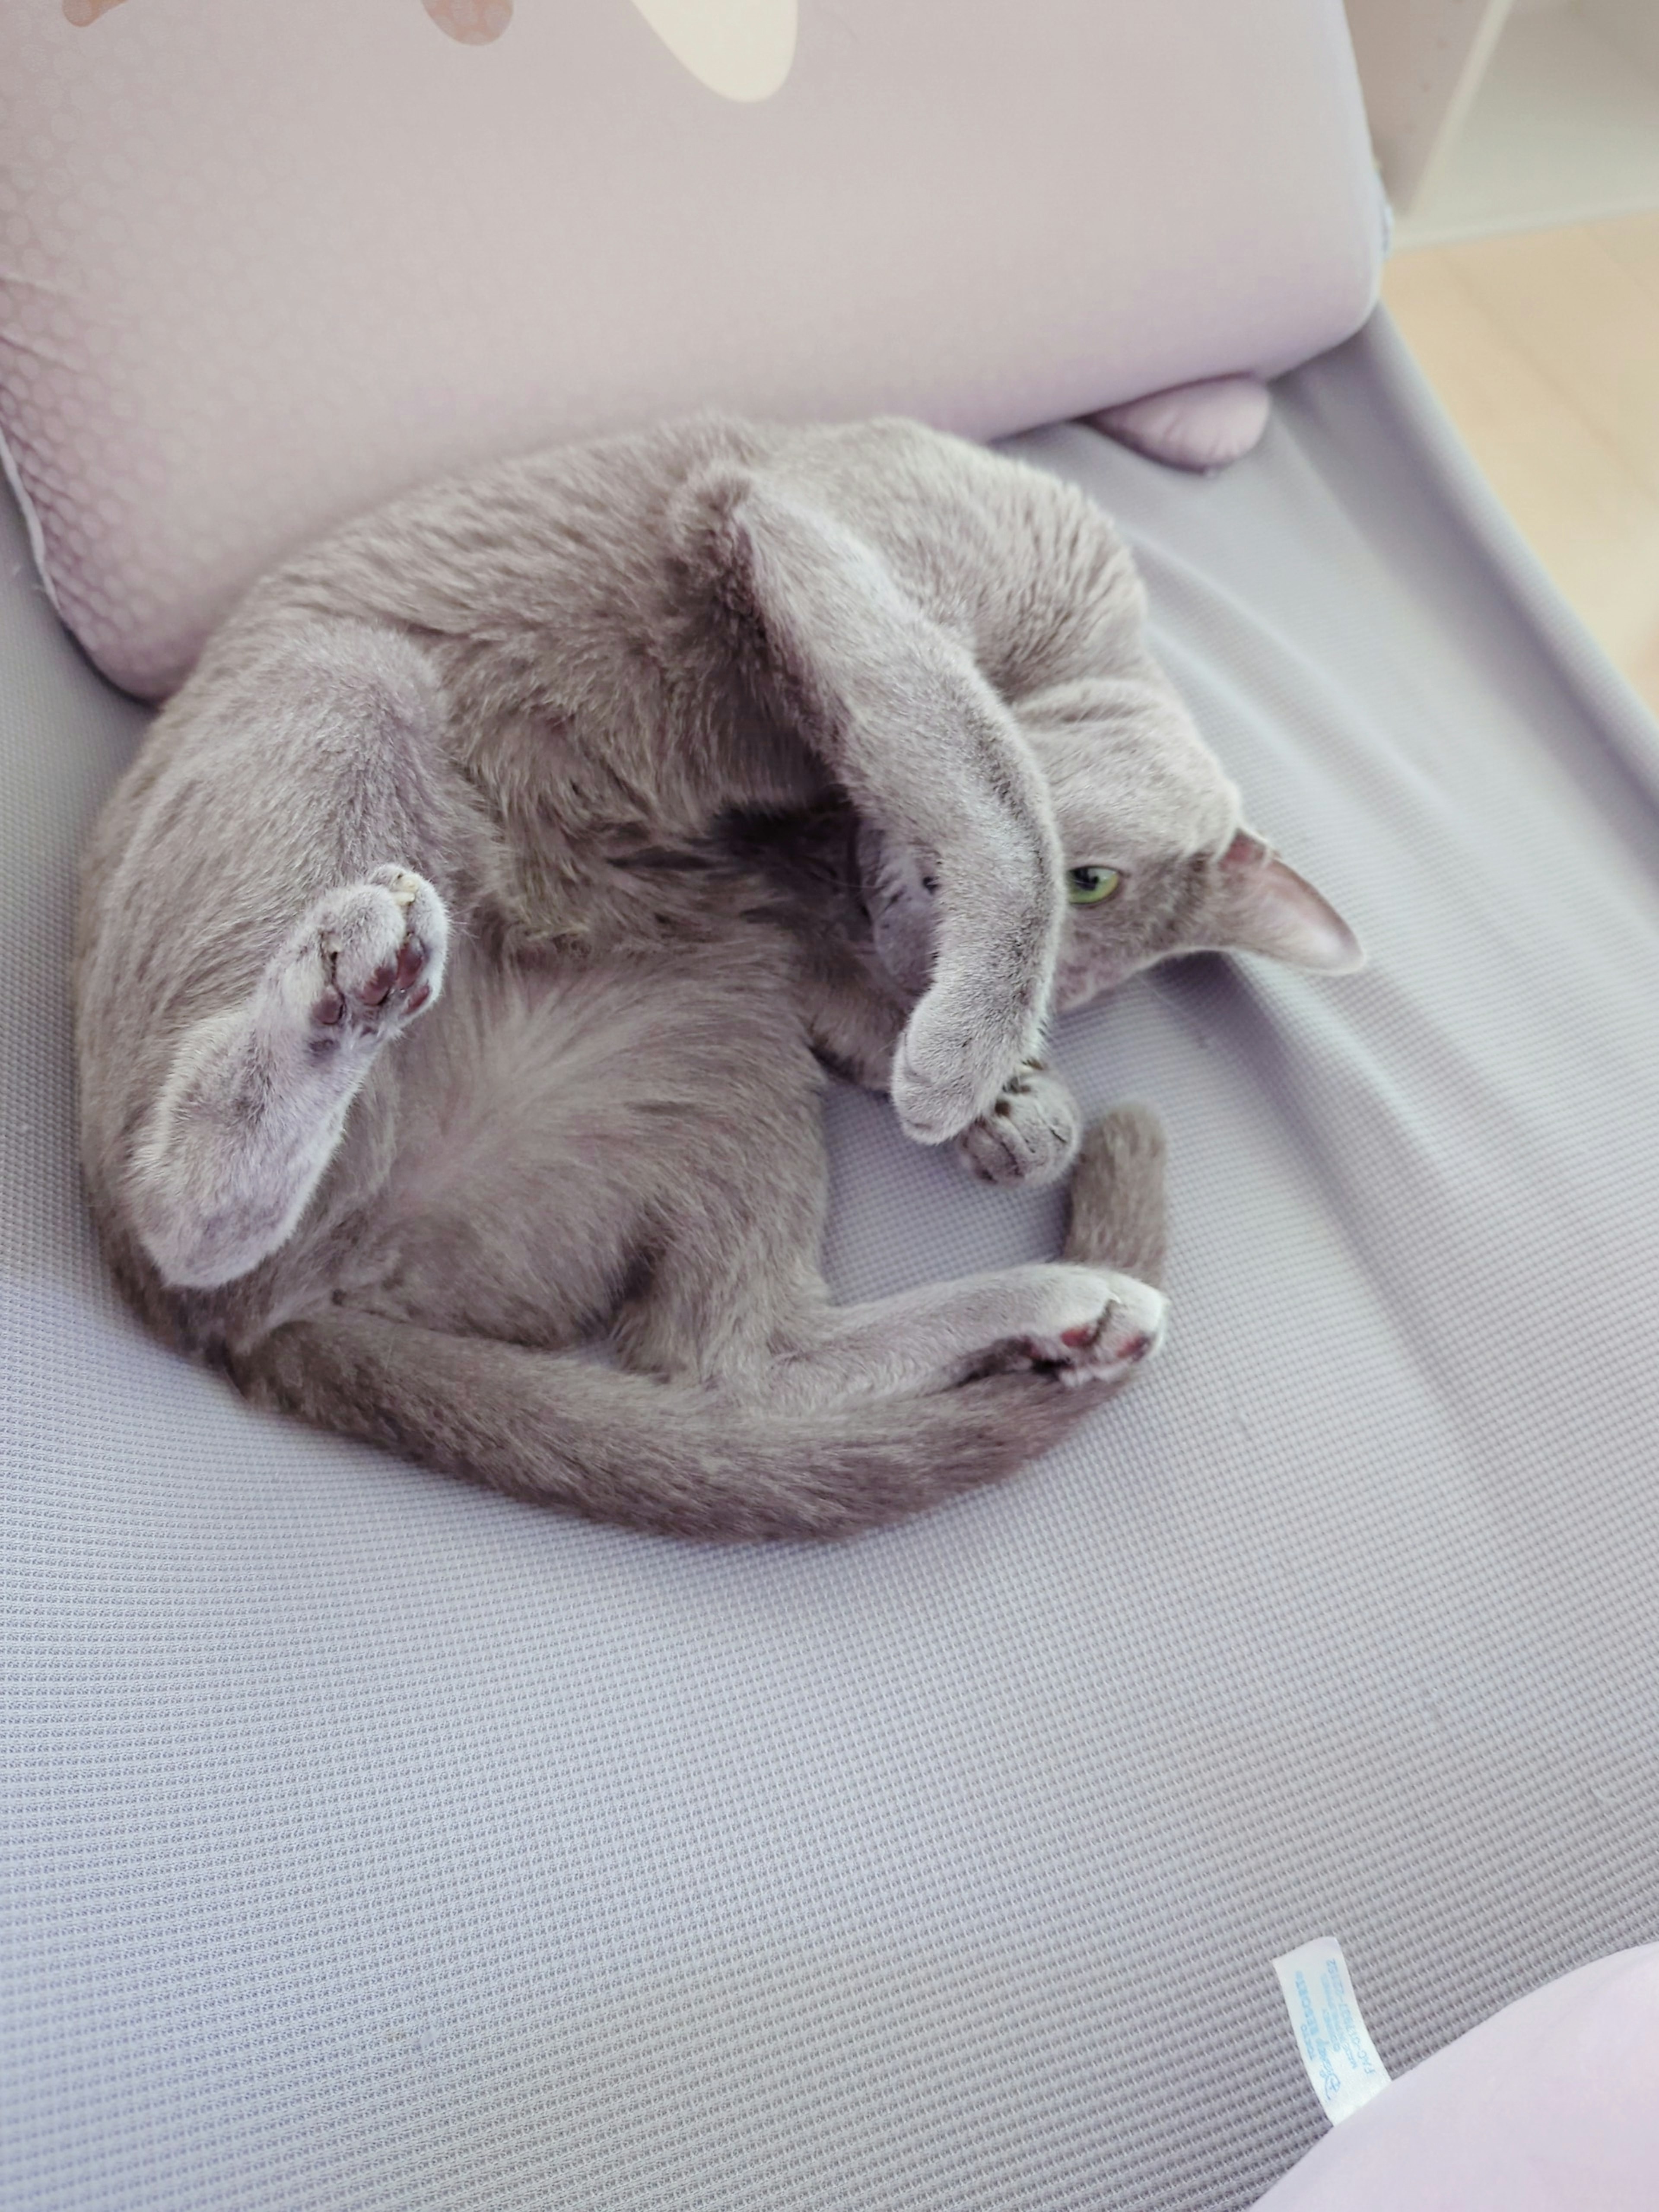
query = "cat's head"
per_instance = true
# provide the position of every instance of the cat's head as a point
(1158, 858)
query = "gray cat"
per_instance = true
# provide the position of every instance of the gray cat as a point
(458, 957)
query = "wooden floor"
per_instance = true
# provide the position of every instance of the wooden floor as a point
(1544, 350)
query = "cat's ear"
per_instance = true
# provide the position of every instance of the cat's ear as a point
(1259, 905)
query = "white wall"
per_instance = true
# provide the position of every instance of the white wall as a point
(1420, 61)
(1631, 25)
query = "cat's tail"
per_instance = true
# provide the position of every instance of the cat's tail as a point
(1117, 1208)
(624, 1448)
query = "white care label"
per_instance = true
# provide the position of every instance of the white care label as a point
(1340, 2056)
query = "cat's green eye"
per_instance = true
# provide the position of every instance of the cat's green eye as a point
(1088, 886)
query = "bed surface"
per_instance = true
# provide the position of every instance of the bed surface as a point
(371, 1842)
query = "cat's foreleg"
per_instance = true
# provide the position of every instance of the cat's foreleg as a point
(255, 1101)
(897, 711)
(983, 1001)
(990, 848)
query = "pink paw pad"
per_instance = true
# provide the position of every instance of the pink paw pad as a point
(395, 988)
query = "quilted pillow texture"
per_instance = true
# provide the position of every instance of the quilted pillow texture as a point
(263, 266)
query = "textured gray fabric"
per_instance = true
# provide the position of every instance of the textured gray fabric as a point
(374, 1842)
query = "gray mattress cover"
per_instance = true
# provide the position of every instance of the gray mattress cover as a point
(371, 1842)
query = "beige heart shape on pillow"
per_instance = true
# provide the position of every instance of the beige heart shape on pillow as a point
(741, 49)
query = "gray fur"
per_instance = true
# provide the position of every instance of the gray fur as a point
(458, 958)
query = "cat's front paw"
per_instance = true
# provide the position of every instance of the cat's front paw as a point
(1030, 1136)
(952, 1062)
(367, 960)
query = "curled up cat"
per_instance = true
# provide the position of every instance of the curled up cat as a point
(459, 958)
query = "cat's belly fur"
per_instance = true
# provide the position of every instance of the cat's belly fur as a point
(540, 1124)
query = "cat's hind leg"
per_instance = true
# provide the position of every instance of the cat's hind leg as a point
(263, 906)
(256, 1099)
(733, 1299)
(1083, 1324)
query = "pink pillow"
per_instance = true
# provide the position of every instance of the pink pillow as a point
(265, 264)
(1552, 2105)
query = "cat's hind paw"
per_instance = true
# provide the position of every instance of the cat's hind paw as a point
(367, 960)
(1030, 1136)
(1127, 1329)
